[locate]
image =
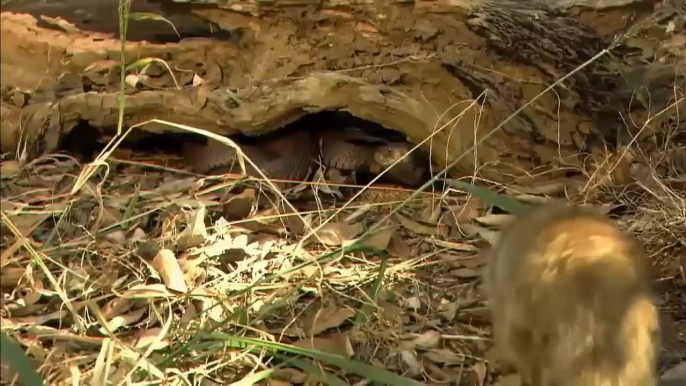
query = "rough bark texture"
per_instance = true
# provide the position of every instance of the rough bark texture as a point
(410, 66)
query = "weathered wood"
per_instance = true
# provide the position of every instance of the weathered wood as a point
(261, 7)
(411, 67)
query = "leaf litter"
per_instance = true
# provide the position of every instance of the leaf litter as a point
(141, 268)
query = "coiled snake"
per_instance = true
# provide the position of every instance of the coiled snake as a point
(293, 155)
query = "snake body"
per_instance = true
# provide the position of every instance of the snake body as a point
(216, 158)
(293, 156)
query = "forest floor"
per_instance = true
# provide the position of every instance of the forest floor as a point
(143, 270)
(147, 268)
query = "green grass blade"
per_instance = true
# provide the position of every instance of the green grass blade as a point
(217, 341)
(14, 355)
(505, 203)
(362, 314)
(133, 204)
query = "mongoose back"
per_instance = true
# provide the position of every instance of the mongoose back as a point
(570, 299)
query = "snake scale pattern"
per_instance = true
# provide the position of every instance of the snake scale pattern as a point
(294, 155)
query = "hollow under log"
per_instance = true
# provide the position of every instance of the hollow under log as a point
(448, 70)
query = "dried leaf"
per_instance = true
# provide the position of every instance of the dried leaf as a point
(117, 236)
(421, 229)
(9, 323)
(197, 80)
(328, 318)
(294, 223)
(410, 359)
(214, 307)
(488, 235)
(336, 233)
(338, 344)
(123, 320)
(398, 247)
(145, 338)
(169, 270)
(357, 214)
(100, 375)
(196, 233)
(468, 211)
(390, 311)
(381, 238)
(218, 247)
(431, 214)
(27, 223)
(10, 276)
(413, 303)
(190, 314)
(531, 199)
(240, 206)
(143, 362)
(132, 80)
(445, 357)
(449, 310)
(428, 339)
(114, 307)
(31, 297)
(240, 242)
(147, 291)
(316, 322)
(138, 236)
(440, 375)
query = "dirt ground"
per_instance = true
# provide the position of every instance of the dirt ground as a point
(144, 267)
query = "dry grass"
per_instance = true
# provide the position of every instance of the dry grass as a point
(92, 288)
(120, 280)
(115, 275)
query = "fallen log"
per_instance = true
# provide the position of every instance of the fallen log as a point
(449, 71)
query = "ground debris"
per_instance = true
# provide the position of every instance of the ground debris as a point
(145, 272)
(150, 274)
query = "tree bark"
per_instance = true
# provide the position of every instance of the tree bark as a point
(410, 66)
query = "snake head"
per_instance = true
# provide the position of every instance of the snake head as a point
(386, 154)
(408, 171)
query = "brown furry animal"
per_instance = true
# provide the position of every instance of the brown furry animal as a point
(571, 302)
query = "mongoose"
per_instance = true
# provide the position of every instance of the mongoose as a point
(571, 303)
